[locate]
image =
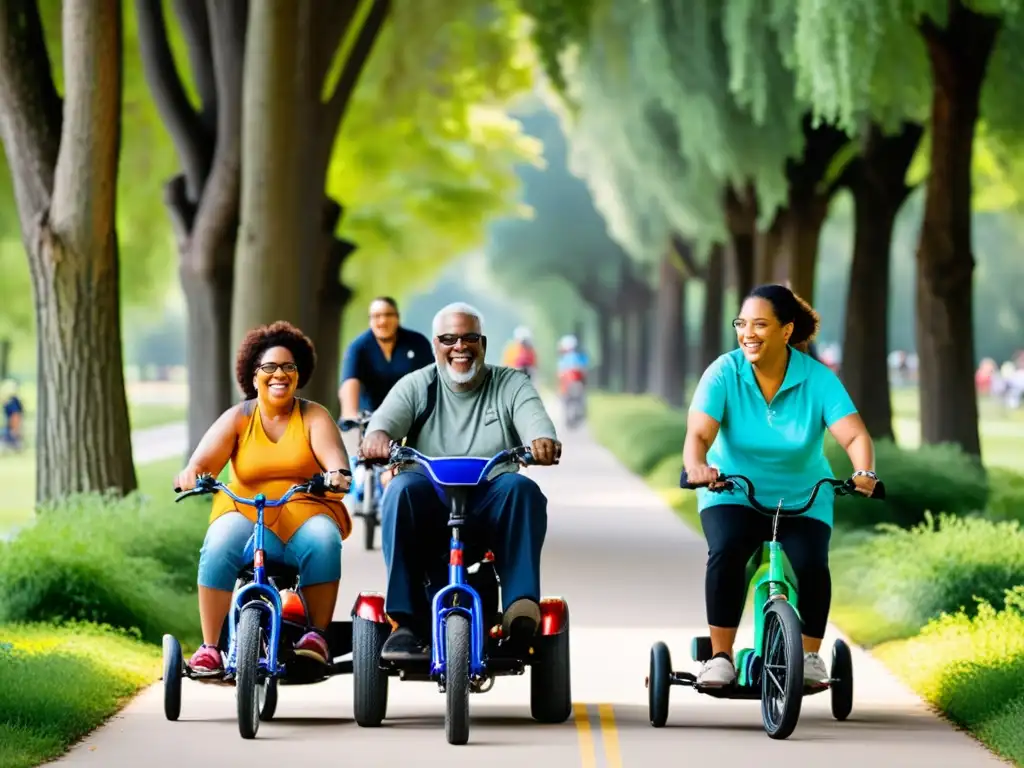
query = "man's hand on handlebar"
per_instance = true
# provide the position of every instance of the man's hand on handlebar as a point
(376, 446)
(546, 451)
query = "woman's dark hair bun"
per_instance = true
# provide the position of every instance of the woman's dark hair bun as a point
(790, 308)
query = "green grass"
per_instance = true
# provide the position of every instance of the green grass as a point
(85, 595)
(18, 471)
(57, 683)
(932, 600)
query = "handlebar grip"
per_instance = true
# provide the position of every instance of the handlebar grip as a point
(685, 484)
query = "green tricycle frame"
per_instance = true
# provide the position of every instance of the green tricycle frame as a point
(772, 670)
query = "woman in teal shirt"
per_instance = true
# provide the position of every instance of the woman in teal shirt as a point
(762, 411)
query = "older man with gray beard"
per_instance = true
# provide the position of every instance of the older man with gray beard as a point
(460, 407)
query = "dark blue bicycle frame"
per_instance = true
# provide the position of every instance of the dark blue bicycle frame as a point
(259, 587)
(454, 479)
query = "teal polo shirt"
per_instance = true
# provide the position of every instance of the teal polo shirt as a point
(778, 445)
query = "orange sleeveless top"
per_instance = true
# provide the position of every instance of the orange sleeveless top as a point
(259, 465)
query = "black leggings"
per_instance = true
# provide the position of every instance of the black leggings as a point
(734, 533)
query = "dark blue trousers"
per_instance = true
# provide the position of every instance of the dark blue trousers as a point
(507, 515)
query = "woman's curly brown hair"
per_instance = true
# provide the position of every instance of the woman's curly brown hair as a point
(259, 340)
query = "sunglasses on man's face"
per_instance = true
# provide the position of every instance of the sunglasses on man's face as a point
(271, 368)
(451, 339)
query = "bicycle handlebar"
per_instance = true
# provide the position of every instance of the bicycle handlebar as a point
(315, 486)
(842, 488)
(357, 423)
(400, 454)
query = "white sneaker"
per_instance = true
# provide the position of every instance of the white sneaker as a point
(815, 672)
(718, 671)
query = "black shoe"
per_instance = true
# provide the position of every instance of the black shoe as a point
(520, 621)
(404, 645)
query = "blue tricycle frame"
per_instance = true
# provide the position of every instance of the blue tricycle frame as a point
(256, 688)
(368, 496)
(454, 478)
(776, 592)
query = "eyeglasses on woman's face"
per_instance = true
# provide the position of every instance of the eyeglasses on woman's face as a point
(272, 368)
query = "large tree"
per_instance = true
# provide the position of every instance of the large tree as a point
(926, 61)
(63, 155)
(343, 56)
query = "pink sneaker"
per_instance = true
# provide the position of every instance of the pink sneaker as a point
(206, 661)
(313, 646)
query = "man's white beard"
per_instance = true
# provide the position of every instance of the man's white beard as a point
(462, 378)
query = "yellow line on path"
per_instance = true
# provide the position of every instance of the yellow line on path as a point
(587, 757)
(610, 734)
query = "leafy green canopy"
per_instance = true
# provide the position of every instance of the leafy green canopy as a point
(656, 83)
(422, 171)
(867, 58)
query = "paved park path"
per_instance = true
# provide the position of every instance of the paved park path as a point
(633, 574)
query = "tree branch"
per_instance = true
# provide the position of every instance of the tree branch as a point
(330, 22)
(334, 110)
(30, 108)
(219, 206)
(195, 27)
(83, 211)
(183, 123)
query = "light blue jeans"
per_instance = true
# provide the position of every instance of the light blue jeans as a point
(314, 549)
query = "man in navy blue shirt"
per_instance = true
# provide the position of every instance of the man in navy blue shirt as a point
(378, 358)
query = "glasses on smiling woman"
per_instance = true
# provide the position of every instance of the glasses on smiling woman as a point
(271, 368)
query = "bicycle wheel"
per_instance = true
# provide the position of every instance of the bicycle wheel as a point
(782, 677)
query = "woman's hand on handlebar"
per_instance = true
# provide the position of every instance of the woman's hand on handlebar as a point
(337, 481)
(864, 484)
(703, 474)
(186, 479)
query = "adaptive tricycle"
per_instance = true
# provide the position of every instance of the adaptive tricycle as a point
(467, 650)
(772, 670)
(367, 488)
(268, 615)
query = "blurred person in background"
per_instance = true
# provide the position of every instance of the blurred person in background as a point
(12, 435)
(520, 353)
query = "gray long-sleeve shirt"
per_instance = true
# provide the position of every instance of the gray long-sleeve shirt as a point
(479, 423)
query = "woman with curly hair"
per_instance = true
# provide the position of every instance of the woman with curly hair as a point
(273, 440)
(762, 411)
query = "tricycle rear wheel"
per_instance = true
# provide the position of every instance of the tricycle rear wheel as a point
(369, 681)
(782, 676)
(551, 677)
(456, 681)
(841, 687)
(173, 666)
(658, 684)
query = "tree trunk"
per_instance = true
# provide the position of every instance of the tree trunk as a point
(5, 358)
(959, 57)
(66, 193)
(331, 297)
(741, 220)
(667, 370)
(714, 301)
(877, 182)
(768, 251)
(203, 201)
(800, 235)
(810, 192)
(603, 375)
(275, 238)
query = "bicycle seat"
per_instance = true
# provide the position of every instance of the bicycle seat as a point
(283, 575)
